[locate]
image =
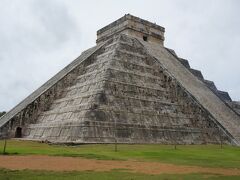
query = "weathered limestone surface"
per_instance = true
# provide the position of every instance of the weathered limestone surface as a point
(235, 105)
(29, 109)
(124, 95)
(211, 85)
(126, 90)
(133, 26)
(224, 115)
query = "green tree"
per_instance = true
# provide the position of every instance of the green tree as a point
(2, 113)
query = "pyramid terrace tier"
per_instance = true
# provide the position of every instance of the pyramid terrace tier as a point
(101, 132)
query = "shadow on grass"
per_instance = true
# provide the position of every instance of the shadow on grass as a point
(91, 156)
(87, 156)
(9, 154)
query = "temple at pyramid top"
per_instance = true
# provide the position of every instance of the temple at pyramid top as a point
(133, 26)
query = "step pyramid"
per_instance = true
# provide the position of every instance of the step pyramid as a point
(129, 88)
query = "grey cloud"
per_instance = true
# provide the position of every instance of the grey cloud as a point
(33, 40)
(55, 21)
(40, 37)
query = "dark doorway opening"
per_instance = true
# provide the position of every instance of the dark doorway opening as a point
(145, 38)
(18, 133)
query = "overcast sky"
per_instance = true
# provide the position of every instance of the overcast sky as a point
(39, 37)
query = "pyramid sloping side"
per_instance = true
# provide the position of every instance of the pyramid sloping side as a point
(66, 119)
(235, 105)
(224, 96)
(227, 118)
(123, 94)
(8, 121)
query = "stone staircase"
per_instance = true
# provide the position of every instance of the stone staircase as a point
(225, 116)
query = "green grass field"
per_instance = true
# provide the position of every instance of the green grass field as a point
(200, 155)
(112, 175)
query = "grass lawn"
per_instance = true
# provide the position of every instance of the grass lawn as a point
(200, 155)
(112, 175)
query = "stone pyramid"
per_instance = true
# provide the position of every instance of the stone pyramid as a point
(129, 88)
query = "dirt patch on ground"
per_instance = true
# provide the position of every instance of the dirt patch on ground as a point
(52, 163)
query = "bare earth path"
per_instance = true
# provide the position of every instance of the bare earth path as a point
(52, 163)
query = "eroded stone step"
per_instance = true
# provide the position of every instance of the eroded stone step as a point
(75, 108)
(112, 125)
(135, 73)
(80, 95)
(108, 85)
(128, 54)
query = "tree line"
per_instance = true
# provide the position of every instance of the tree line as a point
(2, 113)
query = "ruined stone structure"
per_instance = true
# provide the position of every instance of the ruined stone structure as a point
(129, 88)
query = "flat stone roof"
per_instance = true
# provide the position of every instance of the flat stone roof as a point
(133, 18)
